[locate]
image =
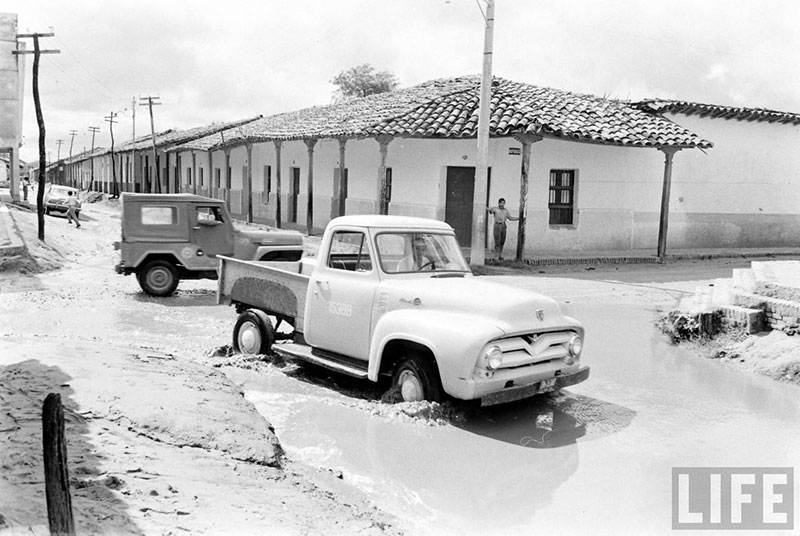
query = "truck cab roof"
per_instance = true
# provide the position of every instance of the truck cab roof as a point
(395, 222)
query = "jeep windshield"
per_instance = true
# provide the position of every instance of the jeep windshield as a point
(408, 252)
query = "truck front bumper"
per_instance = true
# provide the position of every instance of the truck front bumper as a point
(547, 385)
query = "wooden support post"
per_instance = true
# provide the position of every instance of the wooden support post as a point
(56, 475)
(278, 144)
(669, 152)
(194, 172)
(339, 193)
(383, 194)
(310, 143)
(249, 183)
(526, 140)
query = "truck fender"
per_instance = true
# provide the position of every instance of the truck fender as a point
(261, 251)
(443, 333)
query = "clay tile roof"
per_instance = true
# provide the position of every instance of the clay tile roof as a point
(448, 108)
(523, 108)
(712, 110)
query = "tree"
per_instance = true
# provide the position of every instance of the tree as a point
(364, 80)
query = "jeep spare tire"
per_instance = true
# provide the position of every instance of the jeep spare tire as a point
(158, 278)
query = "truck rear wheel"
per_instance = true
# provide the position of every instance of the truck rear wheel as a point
(253, 333)
(416, 379)
(158, 278)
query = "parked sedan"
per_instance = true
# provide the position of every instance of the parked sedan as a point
(55, 199)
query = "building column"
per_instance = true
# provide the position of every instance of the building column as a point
(194, 172)
(339, 201)
(669, 152)
(210, 181)
(14, 173)
(278, 144)
(310, 143)
(526, 140)
(248, 186)
(383, 202)
(226, 189)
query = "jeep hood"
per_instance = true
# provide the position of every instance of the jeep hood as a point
(278, 237)
(508, 308)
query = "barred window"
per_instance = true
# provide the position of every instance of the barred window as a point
(562, 196)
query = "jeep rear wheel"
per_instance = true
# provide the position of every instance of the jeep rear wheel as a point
(416, 378)
(158, 278)
(253, 333)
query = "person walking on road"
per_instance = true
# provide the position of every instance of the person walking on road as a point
(501, 215)
(72, 204)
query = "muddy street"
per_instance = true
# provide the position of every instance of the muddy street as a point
(593, 459)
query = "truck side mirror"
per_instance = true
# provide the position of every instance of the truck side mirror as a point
(208, 223)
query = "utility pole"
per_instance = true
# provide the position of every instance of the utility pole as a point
(40, 120)
(72, 134)
(93, 130)
(133, 144)
(478, 249)
(110, 119)
(148, 101)
(58, 159)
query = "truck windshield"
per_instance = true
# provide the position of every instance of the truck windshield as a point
(405, 252)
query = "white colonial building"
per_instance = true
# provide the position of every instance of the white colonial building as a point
(585, 173)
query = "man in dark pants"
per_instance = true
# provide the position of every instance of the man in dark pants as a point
(501, 215)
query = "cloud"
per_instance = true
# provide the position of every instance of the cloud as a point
(718, 73)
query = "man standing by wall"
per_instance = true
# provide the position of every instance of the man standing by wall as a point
(501, 215)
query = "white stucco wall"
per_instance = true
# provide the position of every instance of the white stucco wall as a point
(742, 193)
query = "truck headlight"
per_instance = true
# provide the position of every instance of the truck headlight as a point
(574, 347)
(493, 357)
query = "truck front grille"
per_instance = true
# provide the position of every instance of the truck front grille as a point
(534, 348)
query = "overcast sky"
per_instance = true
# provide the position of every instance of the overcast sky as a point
(234, 59)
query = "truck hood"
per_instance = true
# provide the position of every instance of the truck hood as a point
(277, 237)
(510, 309)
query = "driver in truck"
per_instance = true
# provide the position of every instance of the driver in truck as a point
(419, 258)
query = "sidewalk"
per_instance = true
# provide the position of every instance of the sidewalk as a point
(11, 243)
(644, 256)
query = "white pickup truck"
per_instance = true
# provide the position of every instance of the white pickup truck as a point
(391, 297)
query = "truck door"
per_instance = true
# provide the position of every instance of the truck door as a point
(340, 296)
(212, 231)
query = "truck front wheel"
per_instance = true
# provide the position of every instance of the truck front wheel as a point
(416, 379)
(253, 333)
(158, 278)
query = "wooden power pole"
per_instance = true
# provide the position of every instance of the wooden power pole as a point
(72, 134)
(40, 120)
(93, 130)
(110, 119)
(149, 102)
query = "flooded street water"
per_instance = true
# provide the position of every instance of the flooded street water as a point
(597, 458)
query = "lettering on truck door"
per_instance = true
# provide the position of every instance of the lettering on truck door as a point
(339, 308)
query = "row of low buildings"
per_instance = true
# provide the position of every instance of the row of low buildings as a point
(586, 173)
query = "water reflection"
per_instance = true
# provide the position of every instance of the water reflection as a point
(549, 421)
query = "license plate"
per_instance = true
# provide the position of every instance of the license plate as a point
(547, 385)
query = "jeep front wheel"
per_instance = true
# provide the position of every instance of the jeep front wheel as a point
(253, 333)
(416, 379)
(158, 278)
